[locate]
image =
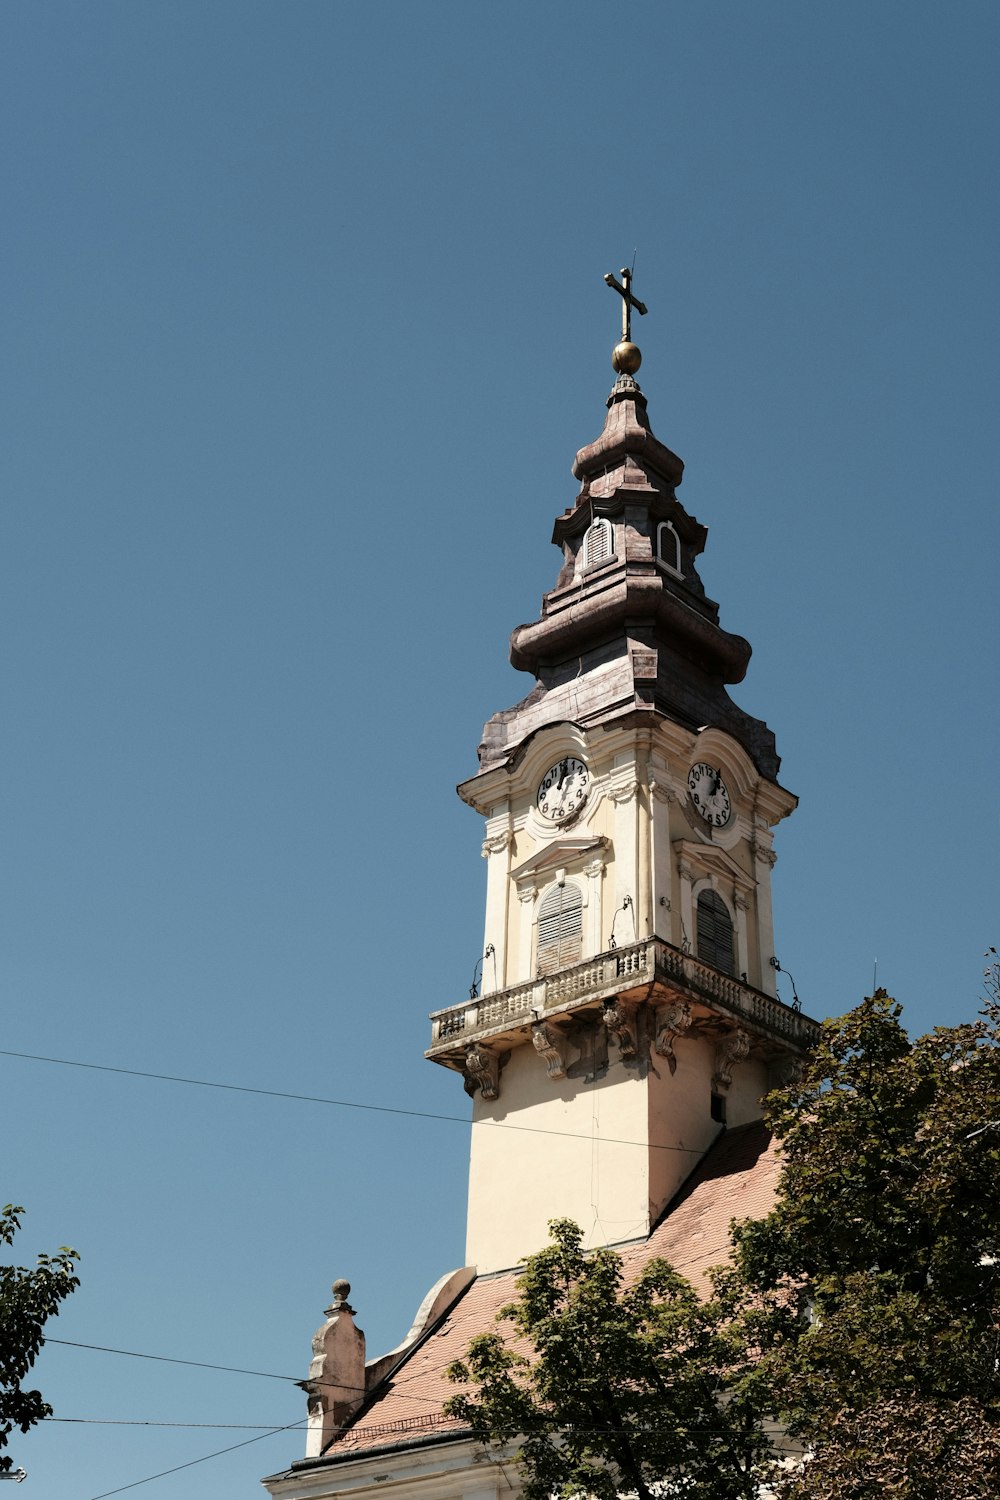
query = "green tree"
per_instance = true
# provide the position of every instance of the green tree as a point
(28, 1297)
(871, 1289)
(862, 1314)
(609, 1387)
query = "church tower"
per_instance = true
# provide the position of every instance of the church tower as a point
(628, 1011)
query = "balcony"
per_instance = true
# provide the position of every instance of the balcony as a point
(651, 970)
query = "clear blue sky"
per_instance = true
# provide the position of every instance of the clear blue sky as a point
(303, 324)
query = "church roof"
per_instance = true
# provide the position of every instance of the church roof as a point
(736, 1179)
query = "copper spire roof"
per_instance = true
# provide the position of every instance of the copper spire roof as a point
(628, 626)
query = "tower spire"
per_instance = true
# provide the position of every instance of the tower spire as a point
(626, 783)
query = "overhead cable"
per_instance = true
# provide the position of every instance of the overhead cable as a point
(382, 1109)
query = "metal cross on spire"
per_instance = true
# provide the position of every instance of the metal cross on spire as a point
(624, 290)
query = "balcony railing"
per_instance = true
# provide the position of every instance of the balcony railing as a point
(617, 971)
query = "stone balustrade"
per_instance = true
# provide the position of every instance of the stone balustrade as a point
(615, 971)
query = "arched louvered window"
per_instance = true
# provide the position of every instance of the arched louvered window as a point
(715, 932)
(668, 546)
(597, 543)
(560, 928)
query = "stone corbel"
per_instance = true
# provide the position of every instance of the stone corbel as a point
(482, 1070)
(551, 1045)
(732, 1050)
(663, 792)
(672, 1021)
(620, 1021)
(620, 795)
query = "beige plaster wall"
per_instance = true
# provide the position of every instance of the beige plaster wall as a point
(639, 807)
(608, 1153)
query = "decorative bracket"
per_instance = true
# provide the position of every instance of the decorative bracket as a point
(733, 1049)
(482, 1070)
(672, 1021)
(497, 843)
(764, 854)
(619, 1020)
(550, 1044)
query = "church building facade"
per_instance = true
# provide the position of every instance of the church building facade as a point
(629, 1010)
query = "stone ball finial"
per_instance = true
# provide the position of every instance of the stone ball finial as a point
(341, 1291)
(626, 358)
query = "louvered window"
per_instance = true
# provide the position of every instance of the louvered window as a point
(560, 928)
(597, 543)
(715, 932)
(668, 546)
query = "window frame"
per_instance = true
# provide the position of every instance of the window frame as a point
(671, 567)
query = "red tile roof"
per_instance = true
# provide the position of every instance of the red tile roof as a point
(736, 1179)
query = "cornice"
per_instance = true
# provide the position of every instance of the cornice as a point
(636, 599)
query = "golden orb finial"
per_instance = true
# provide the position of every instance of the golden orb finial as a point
(626, 357)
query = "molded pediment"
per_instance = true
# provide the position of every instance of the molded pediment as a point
(714, 861)
(562, 852)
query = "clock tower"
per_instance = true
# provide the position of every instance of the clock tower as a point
(628, 1011)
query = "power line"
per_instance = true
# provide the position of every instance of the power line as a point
(704, 1428)
(148, 1422)
(382, 1109)
(273, 1432)
(289, 1427)
(200, 1364)
(168, 1359)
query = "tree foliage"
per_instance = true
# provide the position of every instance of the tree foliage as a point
(862, 1314)
(610, 1387)
(28, 1297)
(872, 1287)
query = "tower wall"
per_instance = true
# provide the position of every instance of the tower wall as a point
(608, 1152)
(628, 1008)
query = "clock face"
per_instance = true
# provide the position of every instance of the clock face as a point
(563, 789)
(709, 794)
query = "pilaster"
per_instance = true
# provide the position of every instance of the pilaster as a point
(497, 850)
(661, 795)
(625, 796)
(594, 872)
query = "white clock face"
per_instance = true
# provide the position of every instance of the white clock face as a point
(709, 794)
(563, 789)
